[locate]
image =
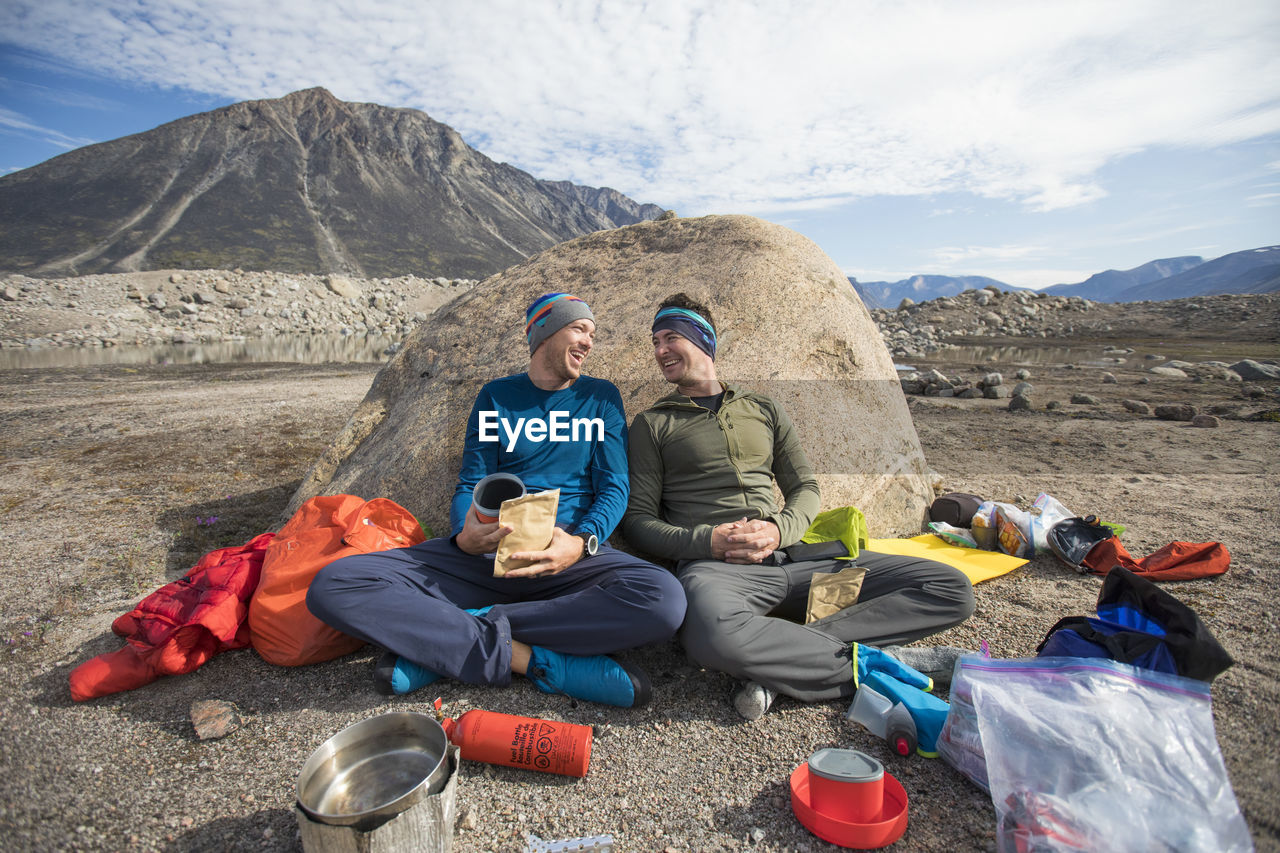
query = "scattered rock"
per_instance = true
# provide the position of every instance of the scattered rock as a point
(214, 718)
(1023, 373)
(1176, 412)
(995, 392)
(1109, 379)
(9, 294)
(237, 303)
(1020, 403)
(177, 278)
(221, 286)
(1136, 406)
(1085, 399)
(467, 819)
(1023, 389)
(1255, 370)
(1165, 370)
(342, 286)
(157, 300)
(1053, 405)
(1206, 421)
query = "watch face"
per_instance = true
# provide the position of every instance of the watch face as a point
(590, 544)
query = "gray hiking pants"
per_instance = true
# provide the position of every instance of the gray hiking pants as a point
(745, 620)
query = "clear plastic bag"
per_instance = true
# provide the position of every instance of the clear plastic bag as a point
(1046, 511)
(1092, 756)
(983, 526)
(952, 534)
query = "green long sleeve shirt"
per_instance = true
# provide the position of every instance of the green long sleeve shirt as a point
(692, 469)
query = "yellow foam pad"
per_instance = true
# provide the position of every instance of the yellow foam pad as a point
(977, 565)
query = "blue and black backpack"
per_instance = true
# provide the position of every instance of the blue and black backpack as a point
(1140, 624)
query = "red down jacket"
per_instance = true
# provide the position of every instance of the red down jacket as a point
(180, 626)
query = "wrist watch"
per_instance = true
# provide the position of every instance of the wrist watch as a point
(590, 544)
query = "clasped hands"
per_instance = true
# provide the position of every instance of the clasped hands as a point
(744, 541)
(477, 537)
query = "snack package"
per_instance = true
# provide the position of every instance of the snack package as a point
(532, 520)
(831, 593)
(1013, 531)
(983, 525)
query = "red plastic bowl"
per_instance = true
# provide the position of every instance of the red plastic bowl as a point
(859, 836)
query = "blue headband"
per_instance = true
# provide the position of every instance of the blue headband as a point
(688, 324)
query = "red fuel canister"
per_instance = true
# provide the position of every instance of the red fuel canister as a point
(524, 742)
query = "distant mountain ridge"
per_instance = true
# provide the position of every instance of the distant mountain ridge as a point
(303, 183)
(1248, 271)
(1107, 286)
(920, 288)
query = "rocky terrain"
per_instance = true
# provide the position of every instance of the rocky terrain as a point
(303, 183)
(990, 316)
(203, 306)
(114, 480)
(186, 306)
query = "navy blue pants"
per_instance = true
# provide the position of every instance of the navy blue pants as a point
(413, 601)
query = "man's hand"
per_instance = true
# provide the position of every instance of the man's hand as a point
(720, 537)
(476, 537)
(565, 550)
(751, 541)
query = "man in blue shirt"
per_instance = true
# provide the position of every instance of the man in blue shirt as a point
(438, 609)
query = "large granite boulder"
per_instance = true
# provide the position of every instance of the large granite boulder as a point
(790, 326)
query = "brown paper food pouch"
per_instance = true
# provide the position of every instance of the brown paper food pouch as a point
(532, 520)
(834, 592)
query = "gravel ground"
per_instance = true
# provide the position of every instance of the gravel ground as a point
(105, 471)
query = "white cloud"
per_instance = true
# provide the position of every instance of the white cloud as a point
(14, 122)
(744, 107)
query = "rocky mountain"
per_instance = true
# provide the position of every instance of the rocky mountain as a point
(1250, 271)
(920, 288)
(1109, 285)
(303, 183)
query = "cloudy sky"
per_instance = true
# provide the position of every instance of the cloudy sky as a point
(1033, 142)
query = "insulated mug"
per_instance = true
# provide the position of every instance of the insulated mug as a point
(489, 493)
(847, 785)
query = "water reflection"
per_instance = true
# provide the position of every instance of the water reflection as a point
(318, 349)
(307, 349)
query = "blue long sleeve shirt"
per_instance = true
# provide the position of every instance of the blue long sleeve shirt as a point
(574, 440)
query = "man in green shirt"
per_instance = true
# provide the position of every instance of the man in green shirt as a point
(703, 463)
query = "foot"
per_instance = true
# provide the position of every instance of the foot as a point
(937, 662)
(597, 678)
(396, 676)
(752, 700)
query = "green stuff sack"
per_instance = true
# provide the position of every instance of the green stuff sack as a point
(842, 524)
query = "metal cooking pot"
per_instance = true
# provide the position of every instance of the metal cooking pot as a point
(374, 769)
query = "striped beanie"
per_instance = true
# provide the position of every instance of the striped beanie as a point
(688, 324)
(550, 313)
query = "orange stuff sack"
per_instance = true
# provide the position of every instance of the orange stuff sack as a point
(324, 529)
